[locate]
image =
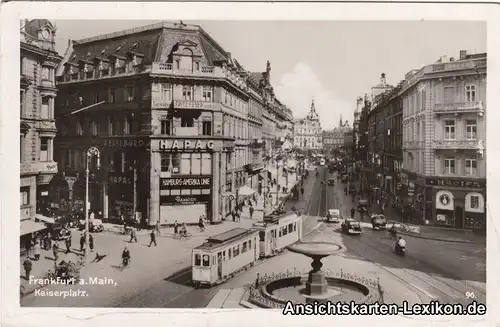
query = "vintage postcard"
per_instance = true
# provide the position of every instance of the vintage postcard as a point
(308, 159)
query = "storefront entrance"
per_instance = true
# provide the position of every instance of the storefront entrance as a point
(188, 214)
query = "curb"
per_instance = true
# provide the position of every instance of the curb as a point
(441, 239)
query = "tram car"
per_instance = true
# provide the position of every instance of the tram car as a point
(277, 232)
(223, 255)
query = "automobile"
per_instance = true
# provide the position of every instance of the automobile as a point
(363, 205)
(379, 222)
(331, 181)
(351, 226)
(333, 216)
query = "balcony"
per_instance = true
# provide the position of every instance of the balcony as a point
(32, 168)
(459, 108)
(256, 144)
(185, 131)
(159, 68)
(477, 145)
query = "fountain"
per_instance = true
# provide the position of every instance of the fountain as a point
(317, 286)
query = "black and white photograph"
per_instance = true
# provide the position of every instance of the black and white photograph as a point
(286, 164)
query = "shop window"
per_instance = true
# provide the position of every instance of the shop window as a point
(206, 260)
(207, 128)
(196, 163)
(206, 164)
(25, 196)
(197, 259)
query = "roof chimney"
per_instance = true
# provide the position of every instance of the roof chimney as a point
(382, 79)
(463, 54)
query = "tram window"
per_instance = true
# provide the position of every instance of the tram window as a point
(295, 226)
(284, 230)
(290, 228)
(197, 259)
(224, 255)
(229, 254)
(244, 248)
(236, 251)
(262, 236)
(279, 232)
(274, 233)
(249, 244)
(206, 260)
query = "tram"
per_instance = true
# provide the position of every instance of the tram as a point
(276, 232)
(223, 255)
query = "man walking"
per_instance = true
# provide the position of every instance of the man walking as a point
(82, 242)
(68, 245)
(55, 250)
(302, 191)
(158, 228)
(91, 243)
(153, 238)
(133, 235)
(251, 209)
(27, 264)
(353, 212)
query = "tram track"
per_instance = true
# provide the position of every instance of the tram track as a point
(458, 293)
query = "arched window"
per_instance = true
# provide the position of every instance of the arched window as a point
(94, 128)
(79, 128)
(186, 60)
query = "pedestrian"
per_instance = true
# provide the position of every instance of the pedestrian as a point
(233, 214)
(251, 209)
(27, 264)
(91, 243)
(67, 242)
(201, 224)
(29, 245)
(153, 238)
(176, 227)
(55, 250)
(302, 190)
(158, 228)
(353, 212)
(257, 280)
(37, 249)
(82, 242)
(133, 235)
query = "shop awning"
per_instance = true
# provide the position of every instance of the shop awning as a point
(45, 219)
(245, 191)
(29, 226)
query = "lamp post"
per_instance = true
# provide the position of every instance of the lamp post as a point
(93, 151)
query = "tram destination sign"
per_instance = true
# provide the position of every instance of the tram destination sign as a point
(186, 182)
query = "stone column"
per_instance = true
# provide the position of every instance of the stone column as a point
(105, 200)
(154, 202)
(216, 188)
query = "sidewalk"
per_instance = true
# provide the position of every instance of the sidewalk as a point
(147, 267)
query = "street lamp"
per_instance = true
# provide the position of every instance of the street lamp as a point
(91, 152)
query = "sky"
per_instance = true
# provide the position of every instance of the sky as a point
(332, 62)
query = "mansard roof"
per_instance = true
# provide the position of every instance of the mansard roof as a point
(33, 26)
(155, 42)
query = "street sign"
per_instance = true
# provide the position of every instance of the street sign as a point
(231, 197)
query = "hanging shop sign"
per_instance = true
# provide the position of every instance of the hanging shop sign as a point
(444, 200)
(411, 188)
(184, 199)
(186, 182)
(456, 183)
(186, 145)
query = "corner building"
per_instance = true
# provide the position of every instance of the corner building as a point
(444, 131)
(168, 109)
(37, 127)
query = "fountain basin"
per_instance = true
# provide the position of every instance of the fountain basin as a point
(316, 249)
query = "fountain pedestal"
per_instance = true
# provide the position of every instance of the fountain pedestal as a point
(316, 289)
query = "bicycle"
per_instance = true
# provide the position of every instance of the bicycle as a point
(179, 236)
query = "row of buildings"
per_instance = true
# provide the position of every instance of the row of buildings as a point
(169, 125)
(423, 141)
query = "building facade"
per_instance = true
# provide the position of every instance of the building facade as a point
(37, 128)
(177, 120)
(308, 134)
(444, 131)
